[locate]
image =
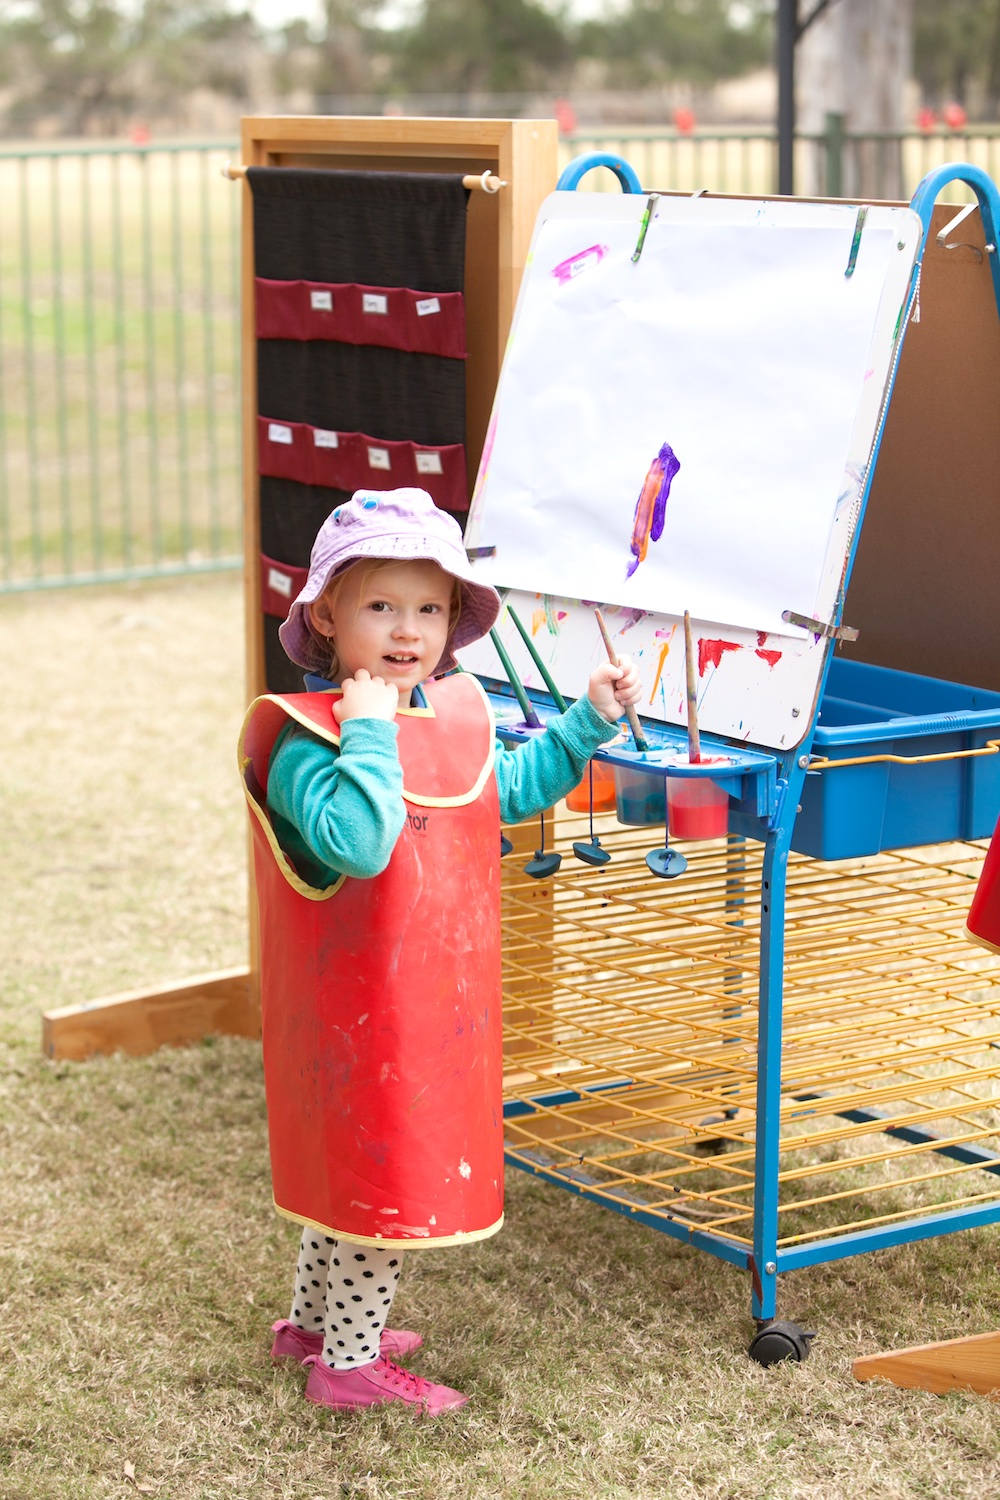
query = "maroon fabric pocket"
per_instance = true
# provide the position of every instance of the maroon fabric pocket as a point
(354, 461)
(279, 585)
(346, 312)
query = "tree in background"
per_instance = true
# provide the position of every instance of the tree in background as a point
(701, 41)
(957, 54)
(470, 46)
(87, 65)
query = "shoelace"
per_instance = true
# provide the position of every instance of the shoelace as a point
(398, 1376)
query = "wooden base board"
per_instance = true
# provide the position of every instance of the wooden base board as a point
(223, 1003)
(970, 1364)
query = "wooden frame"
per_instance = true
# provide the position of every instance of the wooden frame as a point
(523, 154)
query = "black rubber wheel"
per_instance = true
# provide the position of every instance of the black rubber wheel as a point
(777, 1341)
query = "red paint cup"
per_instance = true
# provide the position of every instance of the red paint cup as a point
(697, 807)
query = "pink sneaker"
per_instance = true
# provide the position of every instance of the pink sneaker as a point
(372, 1385)
(298, 1344)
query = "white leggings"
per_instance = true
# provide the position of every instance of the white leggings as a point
(344, 1291)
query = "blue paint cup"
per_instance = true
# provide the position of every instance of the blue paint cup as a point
(640, 800)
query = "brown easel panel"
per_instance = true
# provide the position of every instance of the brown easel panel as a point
(923, 591)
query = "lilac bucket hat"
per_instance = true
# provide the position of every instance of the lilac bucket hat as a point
(403, 526)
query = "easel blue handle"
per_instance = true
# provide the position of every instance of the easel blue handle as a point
(569, 179)
(985, 189)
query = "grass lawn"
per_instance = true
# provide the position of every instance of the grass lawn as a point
(141, 1263)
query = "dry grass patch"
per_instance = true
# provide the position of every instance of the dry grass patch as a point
(141, 1262)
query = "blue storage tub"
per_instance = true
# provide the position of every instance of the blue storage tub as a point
(870, 710)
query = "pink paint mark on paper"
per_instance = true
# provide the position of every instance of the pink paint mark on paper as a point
(570, 268)
(629, 618)
(710, 653)
(651, 506)
(771, 657)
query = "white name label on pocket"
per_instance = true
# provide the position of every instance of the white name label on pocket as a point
(378, 458)
(279, 582)
(374, 302)
(276, 433)
(324, 439)
(428, 305)
(321, 301)
(429, 463)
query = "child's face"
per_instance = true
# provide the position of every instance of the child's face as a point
(393, 621)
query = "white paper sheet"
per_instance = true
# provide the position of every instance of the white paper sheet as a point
(745, 348)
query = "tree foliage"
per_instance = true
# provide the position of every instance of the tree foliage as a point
(957, 53)
(90, 63)
(460, 46)
(699, 40)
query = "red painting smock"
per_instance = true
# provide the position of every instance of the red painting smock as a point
(380, 998)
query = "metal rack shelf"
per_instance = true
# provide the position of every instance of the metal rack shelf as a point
(633, 1044)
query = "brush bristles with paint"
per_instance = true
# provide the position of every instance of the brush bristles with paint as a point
(630, 713)
(694, 739)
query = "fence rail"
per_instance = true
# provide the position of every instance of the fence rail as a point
(119, 329)
(119, 373)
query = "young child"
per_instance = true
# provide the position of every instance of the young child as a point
(375, 809)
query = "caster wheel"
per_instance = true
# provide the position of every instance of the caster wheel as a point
(777, 1341)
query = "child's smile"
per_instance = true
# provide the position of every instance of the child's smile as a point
(393, 621)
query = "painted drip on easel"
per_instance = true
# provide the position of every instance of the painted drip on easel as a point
(651, 506)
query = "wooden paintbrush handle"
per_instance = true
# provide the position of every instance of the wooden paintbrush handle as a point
(694, 738)
(630, 713)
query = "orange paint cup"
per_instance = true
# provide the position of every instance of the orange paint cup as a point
(578, 800)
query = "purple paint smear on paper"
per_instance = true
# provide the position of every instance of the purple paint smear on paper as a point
(651, 506)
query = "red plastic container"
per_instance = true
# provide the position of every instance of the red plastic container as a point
(983, 926)
(697, 808)
(578, 800)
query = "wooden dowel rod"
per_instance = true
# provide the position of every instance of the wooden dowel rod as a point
(633, 718)
(488, 182)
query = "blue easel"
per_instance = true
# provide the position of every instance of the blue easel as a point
(778, 800)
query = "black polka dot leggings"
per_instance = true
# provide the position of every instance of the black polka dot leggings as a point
(344, 1291)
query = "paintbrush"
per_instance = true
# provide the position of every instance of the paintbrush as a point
(694, 739)
(630, 713)
(557, 697)
(530, 717)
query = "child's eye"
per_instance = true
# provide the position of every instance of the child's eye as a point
(378, 604)
(430, 609)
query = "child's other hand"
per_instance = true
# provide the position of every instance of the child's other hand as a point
(612, 688)
(366, 697)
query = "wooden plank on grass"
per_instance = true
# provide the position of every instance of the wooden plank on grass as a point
(140, 1021)
(970, 1364)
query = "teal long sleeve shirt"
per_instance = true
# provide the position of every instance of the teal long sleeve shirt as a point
(340, 812)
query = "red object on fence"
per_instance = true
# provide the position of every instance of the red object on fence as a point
(380, 998)
(565, 116)
(954, 116)
(926, 118)
(983, 925)
(684, 120)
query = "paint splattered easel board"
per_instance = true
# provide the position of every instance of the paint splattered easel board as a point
(687, 418)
